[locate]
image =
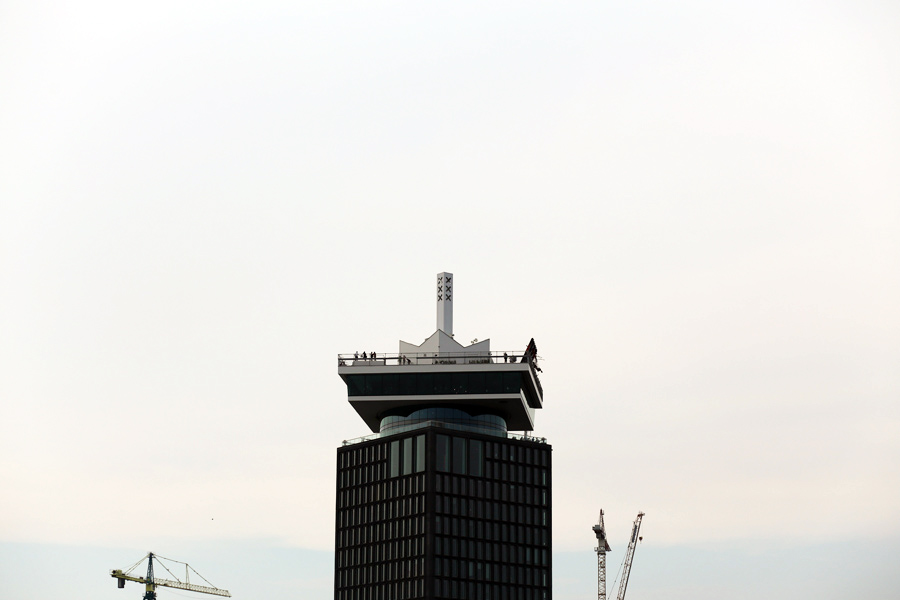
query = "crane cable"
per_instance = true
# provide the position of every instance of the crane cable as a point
(175, 577)
(621, 566)
(131, 568)
(187, 566)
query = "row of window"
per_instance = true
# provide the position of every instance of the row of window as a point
(494, 573)
(363, 475)
(457, 455)
(381, 572)
(463, 571)
(492, 489)
(388, 517)
(378, 552)
(485, 552)
(429, 384)
(444, 588)
(397, 590)
(466, 531)
(518, 453)
(460, 503)
(362, 455)
(493, 532)
(386, 490)
(456, 496)
(494, 511)
(407, 456)
(446, 548)
(495, 450)
(471, 590)
(382, 533)
(513, 473)
(463, 456)
(368, 514)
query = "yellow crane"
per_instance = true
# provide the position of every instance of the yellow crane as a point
(151, 582)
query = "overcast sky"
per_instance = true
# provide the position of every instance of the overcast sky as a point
(693, 207)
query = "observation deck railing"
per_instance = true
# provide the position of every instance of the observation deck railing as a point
(440, 358)
(430, 358)
(441, 424)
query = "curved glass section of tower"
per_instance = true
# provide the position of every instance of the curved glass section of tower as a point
(452, 418)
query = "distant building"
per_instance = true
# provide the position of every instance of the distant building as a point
(442, 501)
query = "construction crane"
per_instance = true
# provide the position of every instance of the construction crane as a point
(151, 582)
(601, 550)
(629, 556)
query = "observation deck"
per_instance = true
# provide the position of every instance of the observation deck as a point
(505, 384)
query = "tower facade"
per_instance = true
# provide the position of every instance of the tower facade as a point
(442, 501)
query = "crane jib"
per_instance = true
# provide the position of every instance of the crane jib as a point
(629, 556)
(151, 582)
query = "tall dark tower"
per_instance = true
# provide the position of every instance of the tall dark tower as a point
(442, 501)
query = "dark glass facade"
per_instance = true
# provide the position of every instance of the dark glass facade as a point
(426, 384)
(440, 513)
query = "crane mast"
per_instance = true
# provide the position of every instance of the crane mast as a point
(601, 549)
(629, 556)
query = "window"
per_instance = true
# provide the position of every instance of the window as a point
(390, 384)
(493, 383)
(407, 385)
(476, 457)
(442, 453)
(512, 383)
(373, 385)
(355, 385)
(443, 383)
(407, 456)
(459, 455)
(395, 458)
(420, 453)
(425, 383)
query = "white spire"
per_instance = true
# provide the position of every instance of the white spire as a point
(445, 302)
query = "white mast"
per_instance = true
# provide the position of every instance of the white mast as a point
(445, 302)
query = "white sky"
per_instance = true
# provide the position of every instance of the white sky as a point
(693, 207)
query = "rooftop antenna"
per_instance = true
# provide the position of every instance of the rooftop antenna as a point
(445, 302)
